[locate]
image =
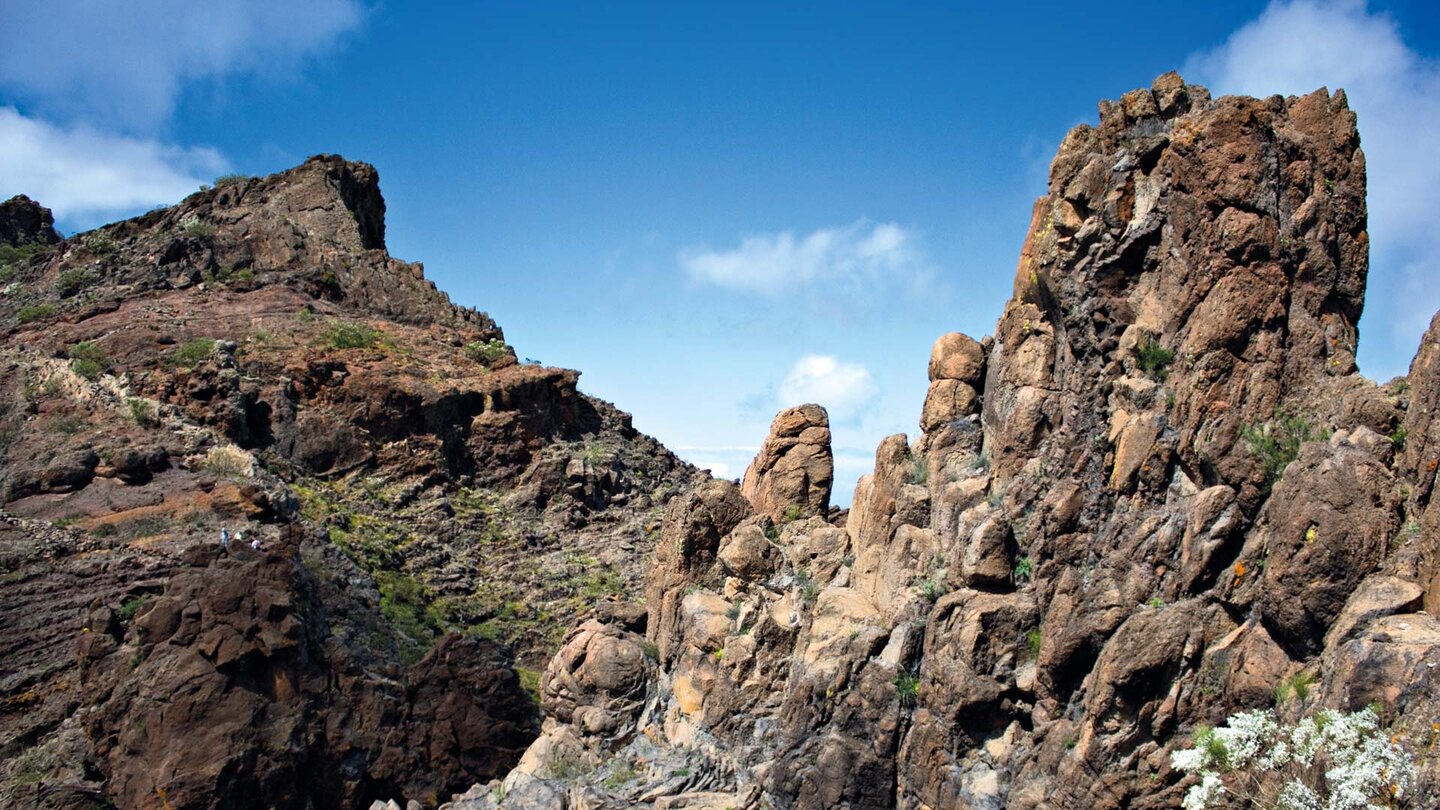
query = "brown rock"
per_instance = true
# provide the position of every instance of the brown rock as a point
(959, 357)
(792, 474)
(946, 402)
(24, 222)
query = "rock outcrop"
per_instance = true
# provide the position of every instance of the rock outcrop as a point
(792, 475)
(26, 222)
(1160, 490)
(432, 512)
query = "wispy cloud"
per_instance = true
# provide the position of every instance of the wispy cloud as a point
(1295, 47)
(127, 63)
(98, 83)
(845, 389)
(88, 175)
(858, 256)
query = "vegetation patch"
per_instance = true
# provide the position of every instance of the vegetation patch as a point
(1154, 359)
(1277, 443)
(88, 360)
(99, 243)
(1024, 569)
(919, 471)
(487, 352)
(346, 335)
(1328, 759)
(15, 255)
(907, 687)
(35, 312)
(229, 461)
(194, 227)
(131, 606)
(191, 353)
(1033, 639)
(73, 280)
(144, 412)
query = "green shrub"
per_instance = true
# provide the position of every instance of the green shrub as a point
(907, 687)
(73, 281)
(919, 470)
(403, 600)
(1033, 638)
(1327, 759)
(487, 352)
(87, 359)
(131, 606)
(931, 588)
(143, 411)
(530, 682)
(1153, 359)
(1024, 569)
(353, 336)
(1296, 686)
(99, 242)
(809, 588)
(1277, 443)
(231, 180)
(35, 312)
(14, 255)
(194, 227)
(191, 353)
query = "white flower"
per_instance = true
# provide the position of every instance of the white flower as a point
(1188, 760)
(1201, 795)
(1295, 796)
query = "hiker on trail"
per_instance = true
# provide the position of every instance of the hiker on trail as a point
(224, 539)
(255, 544)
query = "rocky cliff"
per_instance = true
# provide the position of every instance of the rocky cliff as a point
(1159, 493)
(429, 509)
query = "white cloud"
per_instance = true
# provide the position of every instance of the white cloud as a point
(845, 389)
(86, 175)
(857, 256)
(718, 469)
(1295, 47)
(127, 63)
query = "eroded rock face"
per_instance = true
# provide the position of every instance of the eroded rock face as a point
(226, 684)
(253, 359)
(792, 475)
(1160, 490)
(25, 222)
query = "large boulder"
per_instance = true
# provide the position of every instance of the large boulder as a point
(794, 470)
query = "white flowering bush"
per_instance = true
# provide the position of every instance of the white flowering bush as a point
(1327, 761)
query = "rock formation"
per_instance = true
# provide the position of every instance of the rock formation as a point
(1158, 492)
(794, 471)
(25, 222)
(430, 511)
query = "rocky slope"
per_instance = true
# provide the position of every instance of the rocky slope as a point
(429, 509)
(1160, 491)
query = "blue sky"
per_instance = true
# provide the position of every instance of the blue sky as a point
(712, 210)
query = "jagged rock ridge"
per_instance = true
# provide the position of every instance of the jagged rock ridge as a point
(253, 359)
(1160, 489)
